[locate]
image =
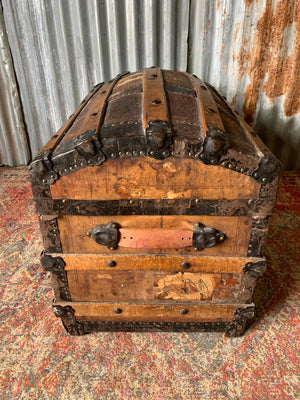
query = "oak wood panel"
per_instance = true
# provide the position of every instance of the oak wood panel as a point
(74, 239)
(130, 262)
(152, 285)
(147, 178)
(153, 312)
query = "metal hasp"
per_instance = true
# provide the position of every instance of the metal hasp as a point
(107, 235)
(205, 236)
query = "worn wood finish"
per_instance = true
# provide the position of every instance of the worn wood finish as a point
(146, 178)
(153, 159)
(105, 311)
(73, 231)
(129, 262)
(152, 285)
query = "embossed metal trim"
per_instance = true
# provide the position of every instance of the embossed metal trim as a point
(106, 235)
(240, 207)
(56, 266)
(251, 272)
(50, 233)
(242, 318)
(205, 236)
(67, 315)
(258, 235)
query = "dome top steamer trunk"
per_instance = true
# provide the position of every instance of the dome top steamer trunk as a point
(154, 200)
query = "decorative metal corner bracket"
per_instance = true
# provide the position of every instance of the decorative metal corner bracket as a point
(242, 317)
(214, 146)
(205, 236)
(42, 170)
(159, 139)
(254, 270)
(268, 168)
(106, 235)
(56, 266)
(67, 315)
(88, 146)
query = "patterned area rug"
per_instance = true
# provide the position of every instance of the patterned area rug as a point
(39, 360)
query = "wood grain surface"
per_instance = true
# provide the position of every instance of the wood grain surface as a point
(146, 178)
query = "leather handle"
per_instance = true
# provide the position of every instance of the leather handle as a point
(112, 236)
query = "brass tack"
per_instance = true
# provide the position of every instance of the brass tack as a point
(88, 233)
(230, 166)
(131, 201)
(250, 201)
(264, 180)
(197, 201)
(201, 155)
(111, 248)
(221, 238)
(255, 174)
(195, 248)
(151, 152)
(112, 155)
(70, 168)
(64, 200)
(44, 181)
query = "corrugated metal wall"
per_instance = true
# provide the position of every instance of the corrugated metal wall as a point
(248, 49)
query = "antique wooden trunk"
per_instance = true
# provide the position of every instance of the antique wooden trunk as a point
(154, 200)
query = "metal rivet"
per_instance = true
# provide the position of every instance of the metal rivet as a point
(89, 162)
(134, 152)
(152, 152)
(112, 155)
(197, 201)
(197, 225)
(120, 153)
(255, 174)
(264, 180)
(201, 155)
(185, 264)
(221, 238)
(118, 310)
(127, 153)
(183, 311)
(81, 163)
(230, 166)
(70, 168)
(88, 233)
(75, 166)
(111, 263)
(141, 153)
(111, 248)
(64, 200)
(250, 245)
(131, 201)
(250, 201)
(44, 180)
(195, 248)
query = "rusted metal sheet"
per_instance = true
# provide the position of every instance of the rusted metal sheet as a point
(249, 50)
(14, 148)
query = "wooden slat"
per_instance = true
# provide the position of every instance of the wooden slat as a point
(147, 178)
(154, 99)
(152, 285)
(153, 312)
(208, 109)
(96, 113)
(51, 145)
(74, 240)
(97, 262)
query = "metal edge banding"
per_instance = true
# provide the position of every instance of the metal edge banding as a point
(258, 233)
(242, 207)
(56, 265)
(235, 327)
(50, 233)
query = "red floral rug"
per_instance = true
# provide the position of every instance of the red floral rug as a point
(39, 360)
